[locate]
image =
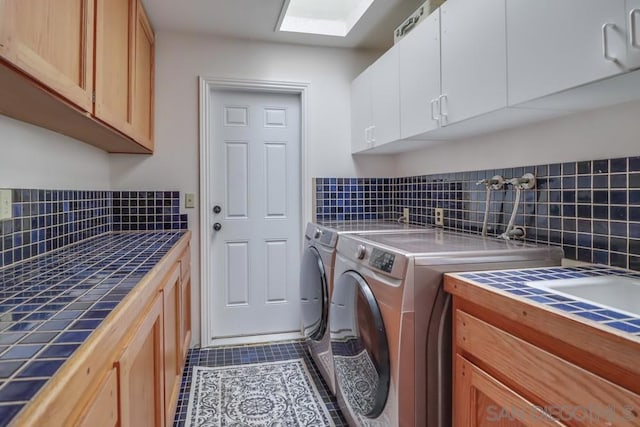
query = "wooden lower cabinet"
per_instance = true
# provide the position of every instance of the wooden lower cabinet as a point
(502, 379)
(102, 410)
(482, 401)
(173, 360)
(140, 368)
(185, 325)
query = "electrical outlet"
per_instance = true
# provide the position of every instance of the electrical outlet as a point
(405, 214)
(5, 204)
(439, 216)
(189, 200)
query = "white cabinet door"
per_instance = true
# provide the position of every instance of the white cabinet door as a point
(385, 97)
(474, 62)
(420, 77)
(361, 121)
(557, 45)
(633, 31)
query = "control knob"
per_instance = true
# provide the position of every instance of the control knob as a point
(361, 252)
(317, 233)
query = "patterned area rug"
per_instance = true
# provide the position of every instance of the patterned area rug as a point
(277, 394)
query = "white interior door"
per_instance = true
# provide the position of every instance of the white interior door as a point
(256, 183)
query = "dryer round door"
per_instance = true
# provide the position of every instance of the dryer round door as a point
(314, 294)
(359, 346)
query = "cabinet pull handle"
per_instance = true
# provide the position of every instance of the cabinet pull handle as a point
(444, 115)
(633, 39)
(366, 135)
(433, 109)
(373, 135)
(605, 42)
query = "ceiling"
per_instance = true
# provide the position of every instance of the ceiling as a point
(257, 20)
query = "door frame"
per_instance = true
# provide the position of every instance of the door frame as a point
(207, 88)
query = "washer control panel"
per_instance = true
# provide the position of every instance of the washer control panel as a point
(381, 260)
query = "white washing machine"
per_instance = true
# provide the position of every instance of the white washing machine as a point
(390, 320)
(316, 282)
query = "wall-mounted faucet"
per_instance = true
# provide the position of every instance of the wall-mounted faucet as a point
(495, 183)
(525, 182)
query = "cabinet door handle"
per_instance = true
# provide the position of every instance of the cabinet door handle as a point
(605, 42)
(435, 104)
(373, 134)
(633, 39)
(366, 135)
(444, 112)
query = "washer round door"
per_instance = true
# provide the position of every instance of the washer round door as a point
(314, 294)
(359, 346)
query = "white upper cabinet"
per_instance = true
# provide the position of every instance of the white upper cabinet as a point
(420, 78)
(375, 104)
(361, 112)
(556, 45)
(385, 97)
(633, 25)
(474, 58)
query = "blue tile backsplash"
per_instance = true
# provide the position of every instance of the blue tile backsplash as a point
(589, 208)
(45, 220)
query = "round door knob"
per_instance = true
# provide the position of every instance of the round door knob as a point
(317, 234)
(217, 226)
(217, 209)
(361, 252)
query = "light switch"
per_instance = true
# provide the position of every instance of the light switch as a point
(5, 204)
(189, 200)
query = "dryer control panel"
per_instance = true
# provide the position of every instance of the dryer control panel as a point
(381, 260)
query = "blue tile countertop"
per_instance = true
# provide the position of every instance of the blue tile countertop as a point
(50, 304)
(513, 282)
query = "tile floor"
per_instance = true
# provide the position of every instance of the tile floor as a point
(224, 356)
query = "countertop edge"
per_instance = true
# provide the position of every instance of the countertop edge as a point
(615, 347)
(82, 371)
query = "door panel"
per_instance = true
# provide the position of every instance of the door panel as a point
(566, 50)
(420, 77)
(52, 42)
(385, 97)
(633, 33)
(255, 254)
(114, 59)
(474, 59)
(361, 112)
(237, 179)
(143, 75)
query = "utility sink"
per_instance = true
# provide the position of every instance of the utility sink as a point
(613, 292)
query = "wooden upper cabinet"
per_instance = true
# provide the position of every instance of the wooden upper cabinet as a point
(125, 69)
(51, 41)
(115, 39)
(143, 79)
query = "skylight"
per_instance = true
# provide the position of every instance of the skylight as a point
(327, 17)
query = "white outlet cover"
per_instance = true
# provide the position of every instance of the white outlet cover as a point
(5, 204)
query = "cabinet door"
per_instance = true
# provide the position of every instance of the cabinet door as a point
(474, 61)
(185, 315)
(557, 45)
(143, 74)
(633, 31)
(420, 77)
(480, 400)
(115, 31)
(141, 372)
(172, 343)
(361, 121)
(52, 41)
(385, 97)
(103, 408)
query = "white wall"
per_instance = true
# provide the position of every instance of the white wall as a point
(33, 157)
(600, 134)
(181, 58)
